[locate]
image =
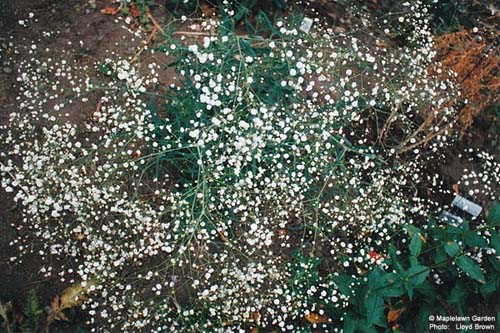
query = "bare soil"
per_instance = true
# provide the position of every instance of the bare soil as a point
(75, 21)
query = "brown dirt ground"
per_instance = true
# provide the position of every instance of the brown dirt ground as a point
(75, 21)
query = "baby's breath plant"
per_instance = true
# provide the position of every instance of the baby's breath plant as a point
(254, 191)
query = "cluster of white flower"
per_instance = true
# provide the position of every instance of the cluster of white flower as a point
(484, 182)
(267, 148)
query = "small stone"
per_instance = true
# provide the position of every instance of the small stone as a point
(7, 70)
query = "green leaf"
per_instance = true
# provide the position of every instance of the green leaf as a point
(374, 277)
(495, 240)
(32, 311)
(409, 290)
(389, 285)
(417, 274)
(374, 305)
(488, 288)
(384, 284)
(246, 47)
(349, 324)
(392, 256)
(473, 239)
(470, 267)
(494, 262)
(365, 327)
(428, 290)
(423, 318)
(451, 248)
(344, 284)
(281, 4)
(464, 226)
(439, 255)
(494, 214)
(458, 295)
(413, 261)
(415, 245)
(412, 230)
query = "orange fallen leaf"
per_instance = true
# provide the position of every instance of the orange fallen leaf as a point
(381, 45)
(223, 237)
(317, 318)
(207, 9)
(455, 188)
(134, 11)
(422, 238)
(394, 314)
(110, 10)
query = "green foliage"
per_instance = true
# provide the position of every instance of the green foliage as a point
(415, 245)
(408, 279)
(305, 271)
(33, 313)
(243, 9)
(31, 319)
(494, 215)
(451, 15)
(470, 267)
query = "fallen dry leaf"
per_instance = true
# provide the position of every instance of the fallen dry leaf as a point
(72, 296)
(381, 45)
(110, 10)
(394, 314)
(207, 9)
(455, 188)
(317, 318)
(134, 11)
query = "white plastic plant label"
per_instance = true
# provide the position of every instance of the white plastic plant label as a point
(467, 206)
(306, 25)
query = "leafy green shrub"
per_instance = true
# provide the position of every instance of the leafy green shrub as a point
(443, 267)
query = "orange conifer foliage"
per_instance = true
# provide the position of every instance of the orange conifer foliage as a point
(476, 61)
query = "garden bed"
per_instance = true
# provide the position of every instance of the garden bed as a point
(225, 170)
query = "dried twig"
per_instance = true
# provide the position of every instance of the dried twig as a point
(155, 23)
